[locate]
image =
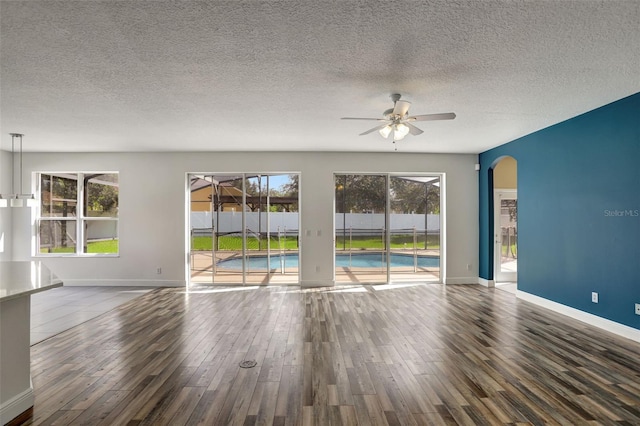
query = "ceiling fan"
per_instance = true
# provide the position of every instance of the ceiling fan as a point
(398, 120)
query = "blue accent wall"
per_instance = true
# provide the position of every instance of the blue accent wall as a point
(578, 211)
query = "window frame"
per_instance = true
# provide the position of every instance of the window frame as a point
(81, 218)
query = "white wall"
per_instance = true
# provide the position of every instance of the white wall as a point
(152, 209)
(5, 213)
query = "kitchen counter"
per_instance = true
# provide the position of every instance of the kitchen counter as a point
(18, 281)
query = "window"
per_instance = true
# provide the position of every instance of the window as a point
(78, 213)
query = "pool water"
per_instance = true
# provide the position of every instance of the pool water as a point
(364, 260)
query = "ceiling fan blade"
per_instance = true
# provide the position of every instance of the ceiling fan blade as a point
(413, 129)
(359, 118)
(374, 129)
(431, 117)
(401, 108)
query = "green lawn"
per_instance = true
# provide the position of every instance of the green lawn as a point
(103, 247)
(232, 243)
(509, 251)
(107, 246)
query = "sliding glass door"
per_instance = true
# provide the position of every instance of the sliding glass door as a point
(387, 228)
(360, 228)
(414, 227)
(244, 228)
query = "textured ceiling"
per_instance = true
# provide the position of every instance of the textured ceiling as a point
(278, 75)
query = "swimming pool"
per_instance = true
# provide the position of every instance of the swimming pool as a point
(359, 260)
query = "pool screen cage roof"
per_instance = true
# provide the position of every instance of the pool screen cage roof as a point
(200, 181)
(252, 201)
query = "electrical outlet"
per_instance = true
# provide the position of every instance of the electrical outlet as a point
(637, 308)
(159, 271)
(594, 297)
(468, 266)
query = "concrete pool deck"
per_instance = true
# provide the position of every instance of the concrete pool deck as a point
(201, 271)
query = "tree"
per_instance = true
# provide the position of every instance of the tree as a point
(409, 196)
(360, 193)
(256, 191)
(102, 194)
(291, 188)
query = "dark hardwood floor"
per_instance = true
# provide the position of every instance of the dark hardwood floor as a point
(414, 355)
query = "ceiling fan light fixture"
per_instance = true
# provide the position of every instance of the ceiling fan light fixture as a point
(385, 131)
(400, 131)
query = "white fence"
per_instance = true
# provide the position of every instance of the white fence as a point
(232, 221)
(101, 229)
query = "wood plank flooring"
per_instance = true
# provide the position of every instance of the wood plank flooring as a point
(361, 355)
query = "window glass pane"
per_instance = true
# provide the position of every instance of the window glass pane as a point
(360, 234)
(227, 213)
(414, 224)
(101, 236)
(283, 214)
(57, 236)
(59, 194)
(101, 195)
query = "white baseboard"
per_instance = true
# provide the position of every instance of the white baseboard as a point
(603, 323)
(15, 406)
(461, 280)
(486, 283)
(321, 283)
(122, 283)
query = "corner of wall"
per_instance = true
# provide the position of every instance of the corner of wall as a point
(6, 214)
(486, 283)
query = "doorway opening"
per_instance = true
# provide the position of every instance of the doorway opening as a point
(505, 190)
(243, 228)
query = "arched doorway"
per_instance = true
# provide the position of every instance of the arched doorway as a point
(505, 196)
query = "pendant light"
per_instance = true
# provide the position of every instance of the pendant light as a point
(17, 198)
